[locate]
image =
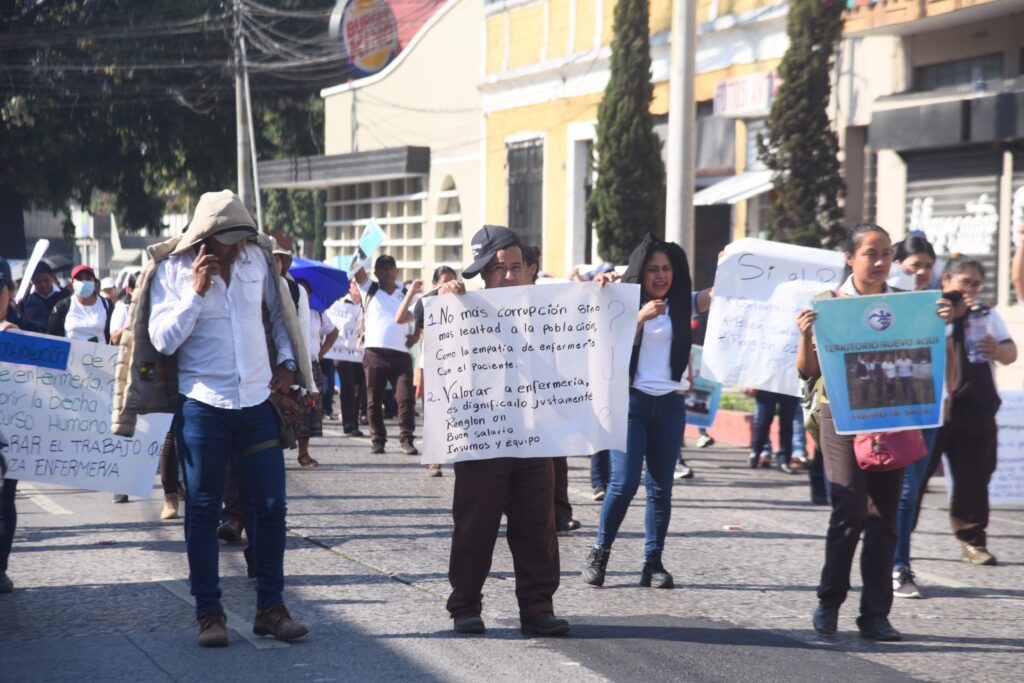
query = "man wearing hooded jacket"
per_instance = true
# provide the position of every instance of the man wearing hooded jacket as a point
(207, 301)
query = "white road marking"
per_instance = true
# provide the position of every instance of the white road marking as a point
(1004, 520)
(42, 500)
(242, 627)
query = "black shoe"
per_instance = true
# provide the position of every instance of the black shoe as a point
(599, 493)
(544, 624)
(597, 563)
(354, 432)
(120, 497)
(819, 500)
(654, 574)
(377, 448)
(469, 623)
(409, 449)
(229, 533)
(565, 526)
(753, 460)
(879, 629)
(826, 620)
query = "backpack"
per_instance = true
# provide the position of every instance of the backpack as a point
(56, 325)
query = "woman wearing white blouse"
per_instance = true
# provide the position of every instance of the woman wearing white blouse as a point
(85, 315)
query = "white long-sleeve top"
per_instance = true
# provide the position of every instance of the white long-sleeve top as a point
(219, 338)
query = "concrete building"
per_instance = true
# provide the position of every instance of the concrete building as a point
(402, 146)
(545, 68)
(930, 104)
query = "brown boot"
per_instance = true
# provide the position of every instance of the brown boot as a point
(212, 629)
(170, 510)
(275, 621)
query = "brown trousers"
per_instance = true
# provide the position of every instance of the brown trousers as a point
(483, 489)
(971, 452)
(383, 366)
(861, 502)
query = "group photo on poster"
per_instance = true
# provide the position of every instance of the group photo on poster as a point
(902, 378)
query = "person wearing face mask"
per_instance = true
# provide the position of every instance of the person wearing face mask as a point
(657, 408)
(84, 315)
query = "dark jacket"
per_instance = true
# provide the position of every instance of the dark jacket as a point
(37, 308)
(679, 302)
(56, 324)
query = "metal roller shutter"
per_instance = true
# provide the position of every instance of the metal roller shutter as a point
(1017, 214)
(954, 197)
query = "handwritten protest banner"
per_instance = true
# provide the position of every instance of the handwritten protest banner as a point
(1007, 484)
(760, 287)
(345, 316)
(704, 395)
(527, 372)
(883, 359)
(55, 406)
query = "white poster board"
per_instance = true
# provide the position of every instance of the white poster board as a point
(1007, 484)
(527, 372)
(760, 287)
(345, 316)
(55, 408)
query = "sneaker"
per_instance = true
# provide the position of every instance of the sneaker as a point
(753, 460)
(468, 623)
(213, 630)
(377, 448)
(977, 554)
(409, 449)
(120, 497)
(683, 471)
(565, 526)
(599, 493)
(544, 624)
(275, 621)
(903, 585)
(597, 563)
(170, 510)
(654, 574)
(6, 585)
(705, 440)
(765, 460)
(433, 470)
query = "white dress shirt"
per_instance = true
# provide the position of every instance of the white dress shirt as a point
(219, 338)
(380, 329)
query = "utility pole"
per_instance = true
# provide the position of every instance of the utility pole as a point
(682, 129)
(252, 139)
(242, 146)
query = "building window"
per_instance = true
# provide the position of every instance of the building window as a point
(958, 73)
(448, 226)
(397, 207)
(525, 162)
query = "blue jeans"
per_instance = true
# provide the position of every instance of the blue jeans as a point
(8, 520)
(208, 438)
(655, 435)
(599, 470)
(799, 431)
(763, 416)
(912, 476)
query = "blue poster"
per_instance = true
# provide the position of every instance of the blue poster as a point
(703, 397)
(883, 358)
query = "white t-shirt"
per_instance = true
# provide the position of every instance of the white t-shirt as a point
(86, 322)
(905, 367)
(119, 316)
(320, 326)
(889, 368)
(381, 330)
(654, 363)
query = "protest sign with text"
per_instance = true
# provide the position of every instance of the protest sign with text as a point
(527, 372)
(703, 397)
(345, 316)
(55, 407)
(1007, 484)
(760, 287)
(883, 358)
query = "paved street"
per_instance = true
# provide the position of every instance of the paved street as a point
(102, 591)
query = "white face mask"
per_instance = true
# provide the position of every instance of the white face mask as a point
(84, 288)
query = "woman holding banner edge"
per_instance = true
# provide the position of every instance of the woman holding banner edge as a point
(657, 408)
(861, 500)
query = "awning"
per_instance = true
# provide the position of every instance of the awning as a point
(303, 173)
(735, 189)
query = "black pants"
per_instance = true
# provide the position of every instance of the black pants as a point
(563, 509)
(169, 478)
(383, 366)
(861, 502)
(524, 489)
(352, 393)
(971, 452)
(327, 390)
(8, 520)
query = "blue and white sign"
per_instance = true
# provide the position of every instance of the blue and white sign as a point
(704, 395)
(883, 359)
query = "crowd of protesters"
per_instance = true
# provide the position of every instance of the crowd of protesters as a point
(224, 456)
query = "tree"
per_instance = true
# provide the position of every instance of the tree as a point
(628, 196)
(801, 147)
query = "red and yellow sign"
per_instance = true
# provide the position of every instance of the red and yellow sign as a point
(367, 32)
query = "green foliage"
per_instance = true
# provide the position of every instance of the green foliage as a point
(801, 147)
(628, 196)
